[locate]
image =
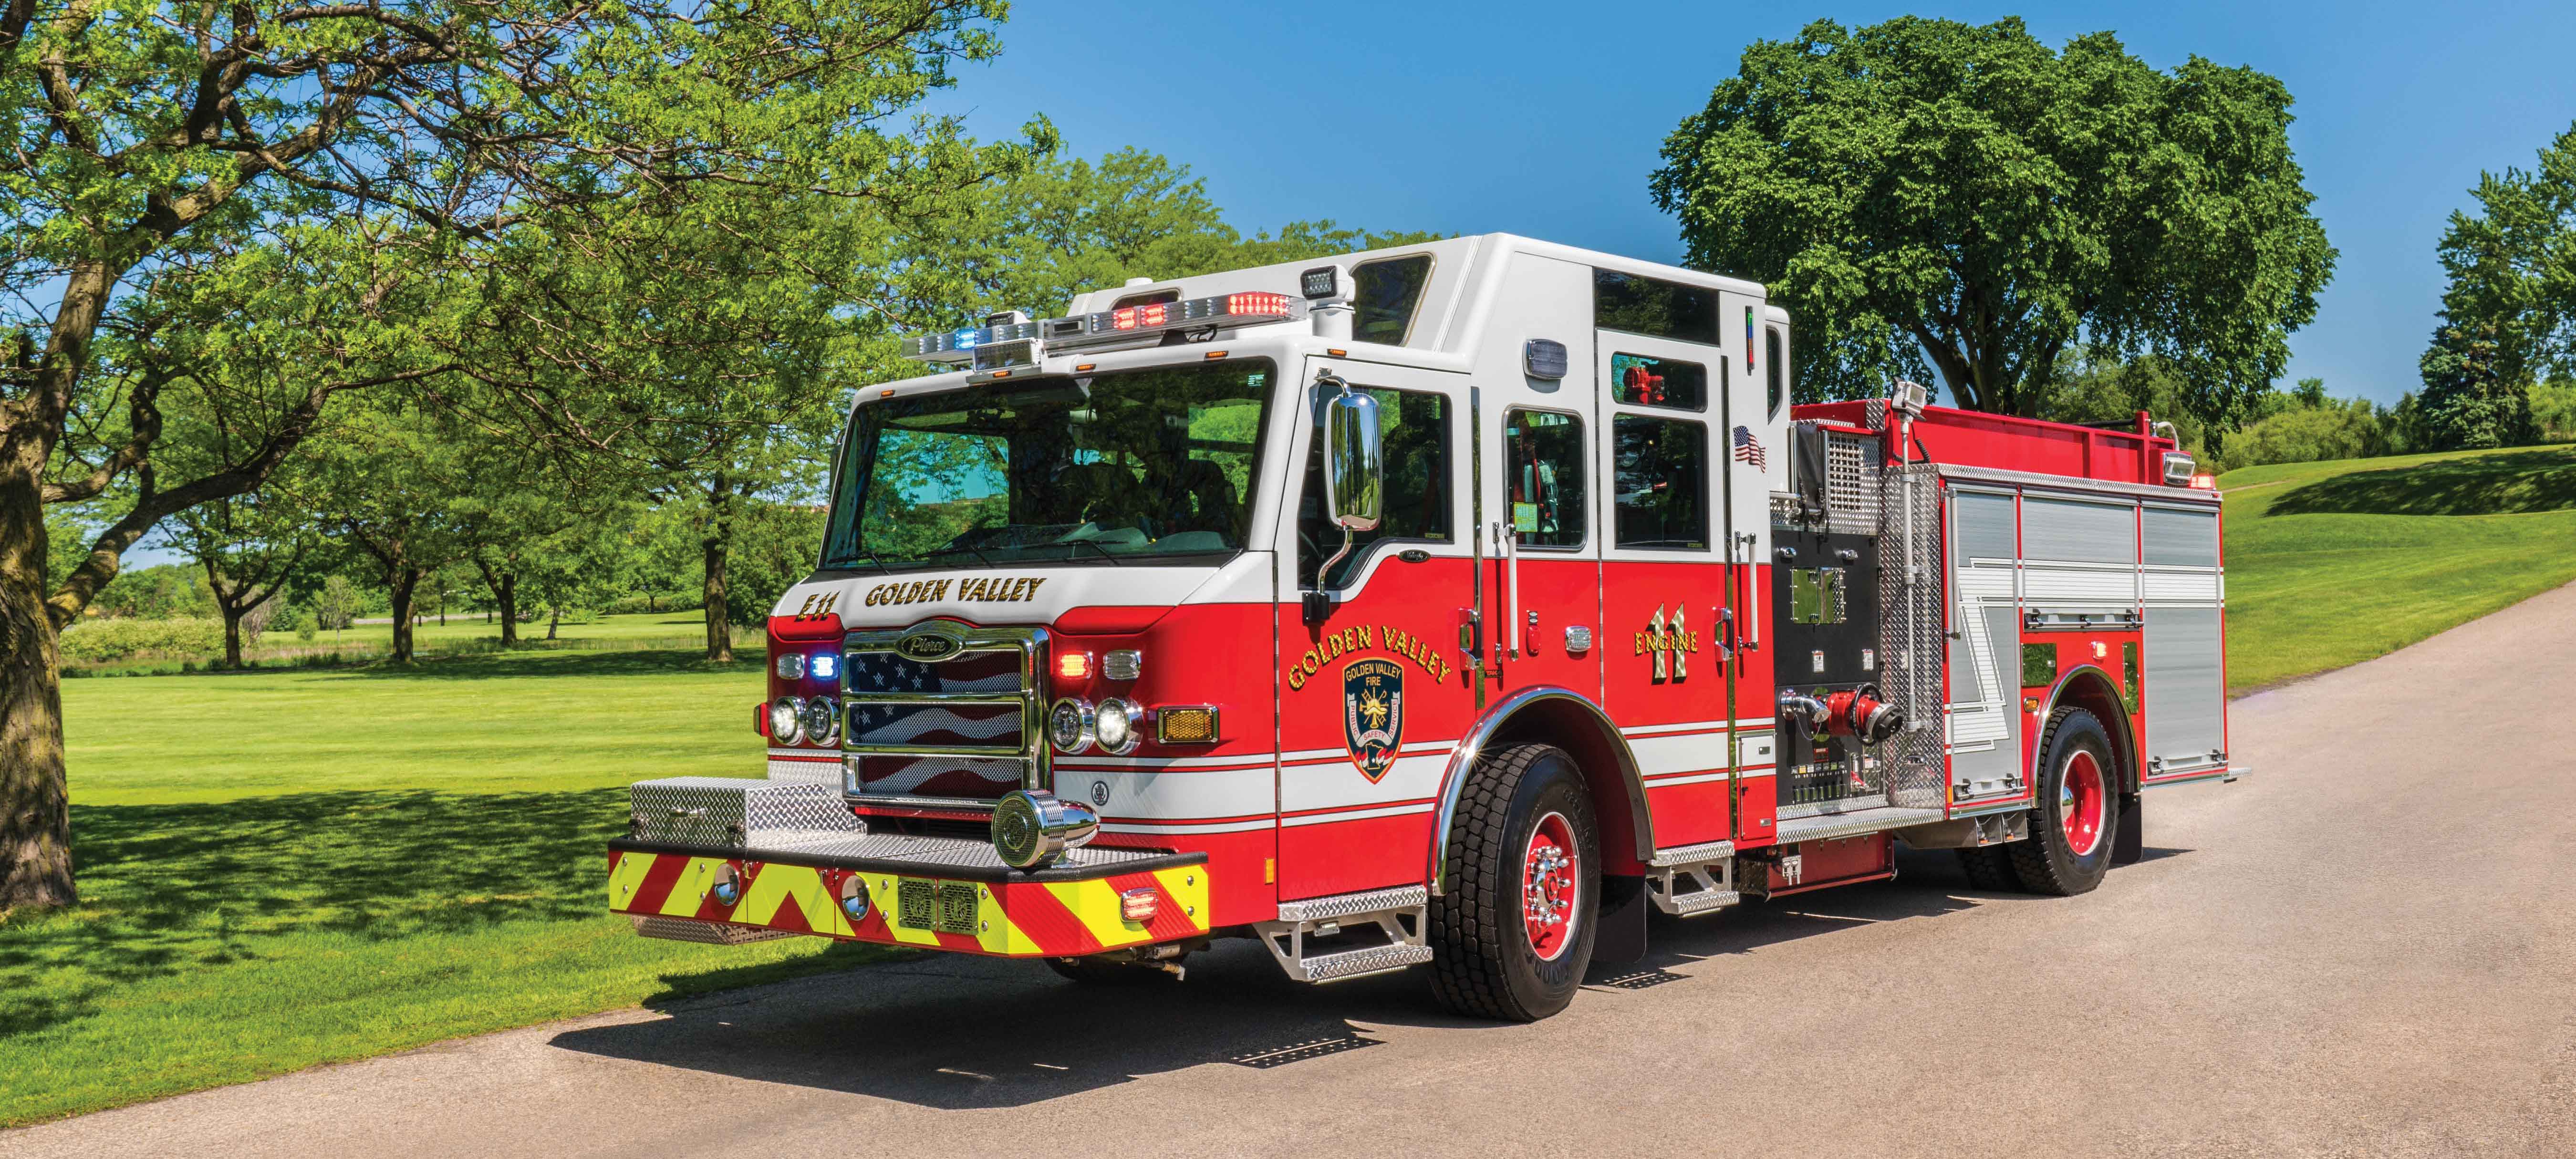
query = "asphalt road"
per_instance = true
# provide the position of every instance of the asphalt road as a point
(2368, 947)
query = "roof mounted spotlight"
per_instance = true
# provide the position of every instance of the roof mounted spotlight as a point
(1007, 318)
(1909, 398)
(1320, 282)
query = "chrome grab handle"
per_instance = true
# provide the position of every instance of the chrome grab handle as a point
(1511, 538)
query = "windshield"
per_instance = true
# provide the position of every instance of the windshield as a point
(1090, 470)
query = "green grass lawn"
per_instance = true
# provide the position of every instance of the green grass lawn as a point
(280, 869)
(2330, 564)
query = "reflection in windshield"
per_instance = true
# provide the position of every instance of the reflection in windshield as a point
(1097, 470)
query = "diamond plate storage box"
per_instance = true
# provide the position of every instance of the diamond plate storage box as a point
(738, 813)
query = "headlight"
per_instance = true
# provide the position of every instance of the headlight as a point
(821, 719)
(784, 719)
(791, 666)
(1117, 725)
(1032, 828)
(1069, 725)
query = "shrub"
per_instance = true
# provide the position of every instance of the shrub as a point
(94, 641)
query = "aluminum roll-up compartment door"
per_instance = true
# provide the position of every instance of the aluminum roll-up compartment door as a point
(2184, 685)
(2079, 556)
(1984, 716)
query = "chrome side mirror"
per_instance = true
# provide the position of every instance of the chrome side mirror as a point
(1354, 478)
(1354, 462)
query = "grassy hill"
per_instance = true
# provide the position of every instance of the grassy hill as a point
(2333, 563)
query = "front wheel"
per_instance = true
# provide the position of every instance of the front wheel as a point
(2078, 817)
(1512, 934)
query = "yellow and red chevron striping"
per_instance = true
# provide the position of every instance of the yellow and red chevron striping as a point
(1015, 918)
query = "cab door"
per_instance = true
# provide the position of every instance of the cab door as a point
(1542, 539)
(1665, 590)
(1373, 691)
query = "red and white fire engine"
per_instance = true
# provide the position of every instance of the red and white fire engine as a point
(1450, 605)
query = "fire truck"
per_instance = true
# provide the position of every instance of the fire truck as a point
(1456, 605)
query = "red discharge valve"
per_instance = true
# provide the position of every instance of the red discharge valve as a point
(1854, 712)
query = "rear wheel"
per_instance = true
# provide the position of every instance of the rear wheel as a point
(1513, 932)
(1989, 869)
(2078, 817)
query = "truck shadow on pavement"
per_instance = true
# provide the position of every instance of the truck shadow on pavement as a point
(965, 1033)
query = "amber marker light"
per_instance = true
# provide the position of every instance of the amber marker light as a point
(1213, 355)
(1073, 666)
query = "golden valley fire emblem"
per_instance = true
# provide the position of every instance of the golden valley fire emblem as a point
(1373, 714)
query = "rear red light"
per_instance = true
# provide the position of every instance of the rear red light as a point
(1139, 905)
(760, 719)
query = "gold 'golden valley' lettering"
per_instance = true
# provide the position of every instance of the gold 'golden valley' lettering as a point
(974, 589)
(1365, 638)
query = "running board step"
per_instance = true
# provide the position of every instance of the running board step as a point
(1700, 854)
(1699, 901)
(1365, 933)
(1363, 962)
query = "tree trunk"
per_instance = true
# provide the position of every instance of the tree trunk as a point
(554, 620)
(509, 596)
(719, 533)
(35, 810)
(232, 632)
(405, 581)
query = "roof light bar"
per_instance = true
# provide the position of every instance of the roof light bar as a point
(964, 347)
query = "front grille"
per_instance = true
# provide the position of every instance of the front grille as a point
(958, 732)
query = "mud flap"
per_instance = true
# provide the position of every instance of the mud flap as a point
(2130, 846)
(1622, 936)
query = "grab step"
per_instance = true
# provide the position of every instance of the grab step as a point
(1349, 935)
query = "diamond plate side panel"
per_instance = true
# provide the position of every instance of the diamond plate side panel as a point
(734, 812)
(1912, 648)
(703, 933)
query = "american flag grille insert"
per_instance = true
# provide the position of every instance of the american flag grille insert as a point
(961, 730)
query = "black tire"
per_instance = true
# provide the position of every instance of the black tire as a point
(1989, 869)
(1097, 972)
(2051, 862)
(1483, 963)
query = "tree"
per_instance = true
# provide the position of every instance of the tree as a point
(2509, 308)
(2474, 395)
(392, 479)
(251, 548)
(335, 603)
(1925, 189)
(143, 136)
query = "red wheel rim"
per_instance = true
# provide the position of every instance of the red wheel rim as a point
(2081, 803)
(1548, 884)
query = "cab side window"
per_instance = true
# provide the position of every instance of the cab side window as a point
(1384, 296)
(1413, 427)
(1779, 369)
(1543, 453)
(1662, 479)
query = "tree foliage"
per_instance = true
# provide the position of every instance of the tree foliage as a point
(2509, 309)
(151, 142)
(1930, 190)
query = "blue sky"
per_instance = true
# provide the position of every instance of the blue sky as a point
(1544, 119)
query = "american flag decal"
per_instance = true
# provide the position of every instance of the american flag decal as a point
(1749, 449)
(932, 724)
